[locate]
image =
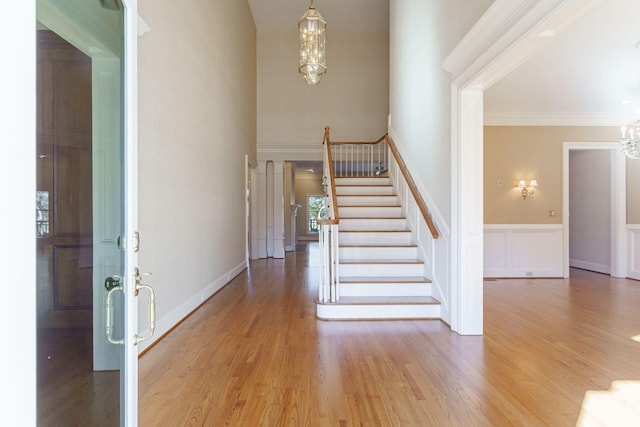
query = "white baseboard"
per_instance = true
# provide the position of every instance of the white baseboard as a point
(591, 266)
(164, 324)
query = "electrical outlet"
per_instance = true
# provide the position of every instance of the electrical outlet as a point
(552, 213)
(528, 273)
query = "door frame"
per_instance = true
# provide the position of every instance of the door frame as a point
(18, 166)
(618, 204)
(129, 399)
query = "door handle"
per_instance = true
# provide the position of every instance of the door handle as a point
(151, 305)
(112, 284)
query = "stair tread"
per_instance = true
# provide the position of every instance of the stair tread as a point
(381, 261)
(378, 245)
(385, 300)
(369, 206)
(406, 230)
(376, 217)
(386, 279)
(361, 184)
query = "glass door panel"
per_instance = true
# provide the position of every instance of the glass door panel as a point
(79, 212)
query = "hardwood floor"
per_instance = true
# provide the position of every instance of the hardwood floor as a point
(255, 354)
(70, 393)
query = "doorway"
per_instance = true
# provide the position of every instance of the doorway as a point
(616, 179)
(590, 210)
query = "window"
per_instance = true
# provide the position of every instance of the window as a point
(42, 214)
(315, 211)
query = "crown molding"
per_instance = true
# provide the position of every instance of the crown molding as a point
(288, 152)
(485, 54)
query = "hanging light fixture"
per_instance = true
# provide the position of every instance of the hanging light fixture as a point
(630, 140)
(311, 35)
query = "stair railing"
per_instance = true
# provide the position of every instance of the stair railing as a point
(329, 289)
(361, 159)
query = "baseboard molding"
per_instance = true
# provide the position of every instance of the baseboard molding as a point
(591, 266)
(168, 322)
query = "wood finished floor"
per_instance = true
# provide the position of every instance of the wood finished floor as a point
(255, 355)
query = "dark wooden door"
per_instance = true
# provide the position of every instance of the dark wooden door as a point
(64, 183)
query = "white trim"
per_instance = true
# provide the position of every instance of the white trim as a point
(618, 204)
(18, 177)
(633, 243)
(289, 152)
(129, 399)
(528, 227)
(591, 266)
(551, 119)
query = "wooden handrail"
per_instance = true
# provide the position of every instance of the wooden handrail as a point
(412, 187)
(332, 181)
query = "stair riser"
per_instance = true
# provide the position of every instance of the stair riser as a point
(366, 253)
(370, 212)
(381, 270)
(374, 238)
(373, 224)
(367, 201)
(385, 289)
(362, 181)
(388, 311)
(343, 190)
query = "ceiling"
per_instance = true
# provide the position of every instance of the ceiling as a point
(589, 74)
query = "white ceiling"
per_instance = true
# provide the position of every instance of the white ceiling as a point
(589, 74)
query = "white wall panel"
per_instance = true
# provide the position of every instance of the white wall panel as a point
(523, 250)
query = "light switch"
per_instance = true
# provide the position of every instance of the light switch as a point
(500, 182)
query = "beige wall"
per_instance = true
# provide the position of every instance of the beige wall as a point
(352, 97)
(197, 113)
(306, 184)
(514, 153)
(422, 34)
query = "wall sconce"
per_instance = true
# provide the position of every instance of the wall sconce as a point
(527, 190)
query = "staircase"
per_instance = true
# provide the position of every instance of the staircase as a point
(380, 272)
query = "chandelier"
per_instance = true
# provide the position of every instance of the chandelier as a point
(630, 140)
(311, 35)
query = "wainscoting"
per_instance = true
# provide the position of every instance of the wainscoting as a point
(525, 250)
(633, 251)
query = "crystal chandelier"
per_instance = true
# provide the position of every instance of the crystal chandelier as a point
(311, 32)
(630, 140)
